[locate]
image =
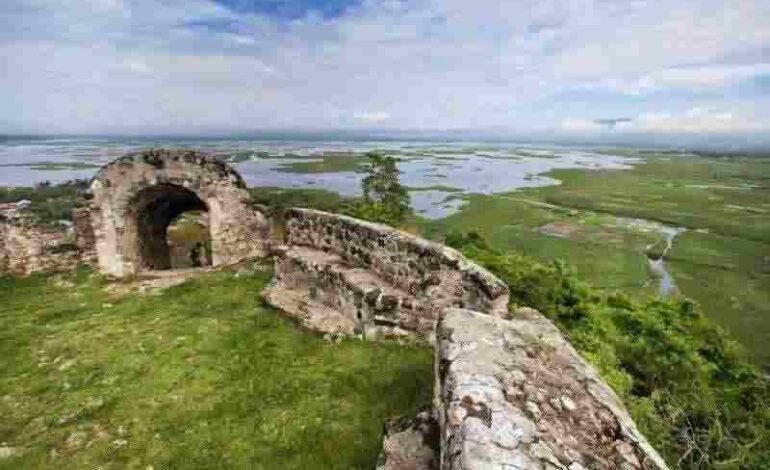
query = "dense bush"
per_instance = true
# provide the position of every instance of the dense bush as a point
(690, 388)
(50, 203)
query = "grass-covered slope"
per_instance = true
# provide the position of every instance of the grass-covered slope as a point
(201, 375)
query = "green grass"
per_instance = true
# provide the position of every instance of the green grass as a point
(201, 375)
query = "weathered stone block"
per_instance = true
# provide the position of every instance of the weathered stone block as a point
(513, 394)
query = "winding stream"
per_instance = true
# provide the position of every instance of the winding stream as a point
(657, 265)
(656, 259)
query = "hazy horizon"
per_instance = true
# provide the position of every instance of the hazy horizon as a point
(757, 143)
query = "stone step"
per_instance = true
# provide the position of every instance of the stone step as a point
(330, 294)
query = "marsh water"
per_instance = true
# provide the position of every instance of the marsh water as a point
(436, 172)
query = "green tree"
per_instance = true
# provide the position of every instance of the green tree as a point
(384, 199)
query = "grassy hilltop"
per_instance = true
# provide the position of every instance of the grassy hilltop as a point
(201, 375)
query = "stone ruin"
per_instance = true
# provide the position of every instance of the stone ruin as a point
(135, 199)
(510, 392)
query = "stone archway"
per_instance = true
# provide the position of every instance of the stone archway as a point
(137, 196)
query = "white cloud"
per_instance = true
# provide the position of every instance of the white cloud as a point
(696, 120)
(81, 66)
(138, 66)
(376, 117)
(581, 125)
(711, 77)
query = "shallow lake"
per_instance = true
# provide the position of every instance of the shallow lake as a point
(436, 172)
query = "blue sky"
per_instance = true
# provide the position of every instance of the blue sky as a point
(289, 10)
(570, 67)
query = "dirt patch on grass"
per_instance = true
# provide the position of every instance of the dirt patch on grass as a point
(559, 229)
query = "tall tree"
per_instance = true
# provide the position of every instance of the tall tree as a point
(385, 200)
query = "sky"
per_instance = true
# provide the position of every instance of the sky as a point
(571, 67)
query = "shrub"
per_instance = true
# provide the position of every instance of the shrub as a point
(690, 388)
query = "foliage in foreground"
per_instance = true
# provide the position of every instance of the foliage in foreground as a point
(201, 375)
(690, 388)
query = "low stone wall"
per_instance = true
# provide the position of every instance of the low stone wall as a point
(513, 394)
(406, 261)
(337, 274)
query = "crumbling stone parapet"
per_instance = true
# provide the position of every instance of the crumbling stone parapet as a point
(27, 247)
(339, 274)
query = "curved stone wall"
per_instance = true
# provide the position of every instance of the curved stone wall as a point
(340, 274)
(405, 260)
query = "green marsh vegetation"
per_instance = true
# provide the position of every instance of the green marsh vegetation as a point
(50, 202)
(201, 375)
(328, 162)
(54, 166)
(722, 260)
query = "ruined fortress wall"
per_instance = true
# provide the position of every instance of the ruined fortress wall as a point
(136, 196)
(26, 247)
(408, 262)
(515, 394)
(85, 239)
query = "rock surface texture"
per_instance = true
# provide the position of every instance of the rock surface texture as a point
(513, 394)
(410, 443)
(137, 196)
(338, 274)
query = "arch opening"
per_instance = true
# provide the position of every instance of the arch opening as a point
(189, 240)
(165, 206)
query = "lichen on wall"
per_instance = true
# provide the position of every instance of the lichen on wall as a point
(514, 394)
